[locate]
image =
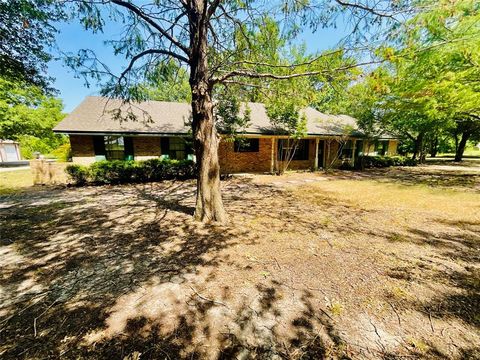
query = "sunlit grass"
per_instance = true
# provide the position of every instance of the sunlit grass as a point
(371, 195)
(15, 180)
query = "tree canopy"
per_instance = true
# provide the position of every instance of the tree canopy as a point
(429, 79)
(28, 116)
(26, 32)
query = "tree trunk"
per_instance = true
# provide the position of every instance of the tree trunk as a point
(461, 146)
(418, 146)
(209, 204)
(434, 147)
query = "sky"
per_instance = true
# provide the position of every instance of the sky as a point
(72, 37)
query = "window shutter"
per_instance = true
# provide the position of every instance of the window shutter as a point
(128, 144)
(165, 145)
(99, 145)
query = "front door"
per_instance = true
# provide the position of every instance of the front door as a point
(321, 147)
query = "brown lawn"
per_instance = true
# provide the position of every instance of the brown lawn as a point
(375, 265)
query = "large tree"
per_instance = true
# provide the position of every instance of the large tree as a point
(216, 41)
(26, 33)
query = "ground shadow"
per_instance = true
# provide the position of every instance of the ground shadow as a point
(73, 255)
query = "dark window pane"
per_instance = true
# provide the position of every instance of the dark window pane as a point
(381, 147)
(114, 147)
(177, 148)
(246, 145)
(345, 151)
(287, 146)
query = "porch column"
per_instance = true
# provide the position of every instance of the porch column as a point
(354, 148)
(272, 157)
(315, 164)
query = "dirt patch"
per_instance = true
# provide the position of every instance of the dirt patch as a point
(354, 266)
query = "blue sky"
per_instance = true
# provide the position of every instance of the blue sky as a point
(73, 37)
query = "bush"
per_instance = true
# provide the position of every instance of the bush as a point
(383, 161)
(120, 172)
(61, 153)
(78, 174)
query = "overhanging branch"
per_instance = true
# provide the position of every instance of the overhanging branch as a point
(151, 51)
(152, 23)
(255, 75)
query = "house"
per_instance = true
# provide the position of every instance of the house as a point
(160, 130)
(9, 151)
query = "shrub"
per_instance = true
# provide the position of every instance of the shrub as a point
(383, 161)
(62, 153)
(119, 172)
(77, 173)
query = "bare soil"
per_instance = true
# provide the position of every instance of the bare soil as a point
(373, 265)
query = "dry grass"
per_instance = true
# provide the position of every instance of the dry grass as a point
(372, 265)
(15, 180)
(374, 196)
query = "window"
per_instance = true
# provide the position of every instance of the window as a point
(175, 148)
(246, 145)
(345, 151)
(359, 148)
(287, 146)
(381, 147)
(114, 147)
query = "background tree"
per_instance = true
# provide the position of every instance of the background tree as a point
(428, 82)
(28, 116)
(26, 33)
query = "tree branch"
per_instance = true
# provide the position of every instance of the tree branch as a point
(255, 75)
(365, 8)
(152, 23)
(151, 51)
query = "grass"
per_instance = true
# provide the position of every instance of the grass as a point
(15, 180)
(371, 195)
(471, 151)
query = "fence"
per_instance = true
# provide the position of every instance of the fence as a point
(48, 172)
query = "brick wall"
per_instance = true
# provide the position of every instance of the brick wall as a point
(235, 162)
(82, 149)
(146, 147)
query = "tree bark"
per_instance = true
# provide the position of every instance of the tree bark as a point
(418, 146)
(209, 204)
(461, 146)
(434, 147)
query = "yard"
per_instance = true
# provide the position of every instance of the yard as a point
(382, 264)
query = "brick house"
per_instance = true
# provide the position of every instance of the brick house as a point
(161, 130)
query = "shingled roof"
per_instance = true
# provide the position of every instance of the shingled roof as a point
(100, 115)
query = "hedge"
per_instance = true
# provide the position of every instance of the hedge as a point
(383, 161)
(122, 172)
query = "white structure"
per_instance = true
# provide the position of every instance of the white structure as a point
(9, 151)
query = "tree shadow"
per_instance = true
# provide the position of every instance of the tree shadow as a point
(86, 271)
(435, 178)
(461, 300)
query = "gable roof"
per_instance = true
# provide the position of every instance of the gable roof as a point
(97, 115)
